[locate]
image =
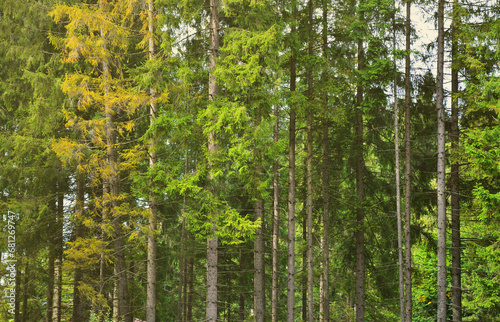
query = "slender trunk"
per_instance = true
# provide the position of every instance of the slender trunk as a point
(408, 169)
(56, 312)
(153, 204)
(181, 302)
(51, 259)
(325, 241)
(398, 183)
(17, 306)
(456, 276)
(78, 275)
(304, 265)
(441, 201)
(309, 201)
(274, 291)
(259, 268)
(360, 213)
(259, 303)
(291, 191)
(190, 283)
(213, 91)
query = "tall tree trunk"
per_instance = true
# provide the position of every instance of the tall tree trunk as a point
(17, 306)
(360, 212)
(213, 91)
(274, 290)
(441, 198)
(78, 275)
(290, 307)
(456, 244)
(56, 311)
(26, 290)
(408, 168)
(309, 200)
(325, 241)
(153, 203)
(51, 259)
(398, 181)
(181, 303)
(259, 268)
(259, 304)
(190, 284)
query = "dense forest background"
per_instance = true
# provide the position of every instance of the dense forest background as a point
(249, 160)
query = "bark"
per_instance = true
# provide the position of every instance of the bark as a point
(52, 257)
(17, 307)
(78, 276)
(213, 91)
(190, 282)
(456, 244)
(408, 295)
(56, 311)
(360, 213)
(259, 304)
(441, 201)
(309, 201)
(398, 186)
(325, 283)
(153, 204)
(274, 290)
(291, 192)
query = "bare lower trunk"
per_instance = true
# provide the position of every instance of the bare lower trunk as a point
(291, 195)
(78, 276)
(274, 291)
(213, 91)
(408, 304)
(441, 198)
(259, 303)
(360, 213)
(56, 311)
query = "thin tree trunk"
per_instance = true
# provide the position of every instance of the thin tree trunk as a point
(213, 91)
(309, 201)
(17, 306)
(441, 198)
(408, 304)
(189, 302)
(51, 259)
(398, 183)
(274, 290)
(153, 204)
(56, 312)
(456, 244)
(291, 191)
(259, 303)
(78, 275)
(325, 241)
(360, 213)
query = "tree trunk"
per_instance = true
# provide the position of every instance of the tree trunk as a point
(51, 259)
(456, 245)
(259, 304)
(441, 198)
(325, 241)
(309, 200)
(213, 91)
(78, 276)
(274, 291)
(291, 192)
(408, 169)
(26, 289)
(398, 183)
(56, 311)
(360, 213)
(190, 282)
(153, 204)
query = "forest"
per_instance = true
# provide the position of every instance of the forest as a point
(249, 160)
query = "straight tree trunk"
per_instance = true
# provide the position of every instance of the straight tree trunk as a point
(456, 244)
(26, 289)
(398, 183)
(408, 305)
(213, 91)
(259, 268)
(190, 282)
(309, 201)
(56, 311)
(291, 191)
(259, 304)
(17, 307)
(78, 276)
(441, 198)
(325, 245)
(51, 259)
(153, 204)
(274, 290)
(360, 213)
